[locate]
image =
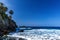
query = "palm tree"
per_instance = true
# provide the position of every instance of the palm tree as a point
(5, 9)
(1, 12)
(11, 13)
(1, 7)
(1, 3)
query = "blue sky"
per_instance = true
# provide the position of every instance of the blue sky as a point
(35, 12)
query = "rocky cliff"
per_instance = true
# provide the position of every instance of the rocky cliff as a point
(7, 24)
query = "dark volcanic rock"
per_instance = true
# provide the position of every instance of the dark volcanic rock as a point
(21, 30)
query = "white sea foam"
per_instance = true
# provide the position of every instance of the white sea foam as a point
(40, 34)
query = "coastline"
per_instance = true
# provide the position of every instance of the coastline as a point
(34, 34)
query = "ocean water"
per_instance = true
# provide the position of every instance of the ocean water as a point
(40, 34)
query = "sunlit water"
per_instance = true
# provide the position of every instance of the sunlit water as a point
(40, 34)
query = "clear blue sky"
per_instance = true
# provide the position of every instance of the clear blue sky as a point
(36, 12)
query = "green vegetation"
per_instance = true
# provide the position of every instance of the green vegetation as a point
(6, 23)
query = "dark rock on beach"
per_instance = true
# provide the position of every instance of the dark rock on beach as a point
(21, 30)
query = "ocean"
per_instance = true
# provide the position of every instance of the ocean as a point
(39, 34)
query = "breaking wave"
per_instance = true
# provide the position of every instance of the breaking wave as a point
(40, 34)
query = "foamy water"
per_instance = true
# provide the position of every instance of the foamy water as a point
(40, 34)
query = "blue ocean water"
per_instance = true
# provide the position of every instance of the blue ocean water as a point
(40, 33)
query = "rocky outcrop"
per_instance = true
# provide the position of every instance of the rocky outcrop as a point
(7, 24)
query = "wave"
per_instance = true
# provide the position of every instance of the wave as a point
(39, 34)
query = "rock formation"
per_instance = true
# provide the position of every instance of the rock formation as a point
(7, 24)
